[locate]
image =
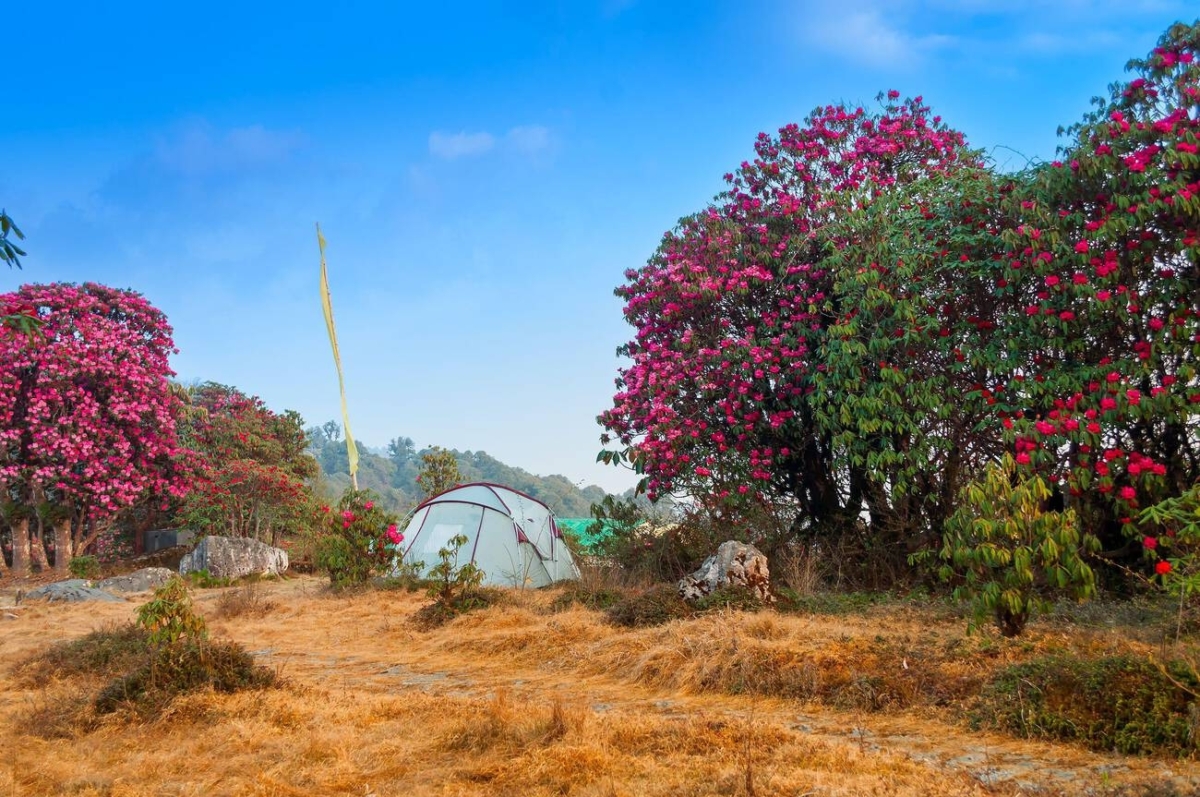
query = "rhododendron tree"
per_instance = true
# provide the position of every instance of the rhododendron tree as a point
(1107, 268)
(738, 315)
(87, 417)
(870, 314)
(253, 466)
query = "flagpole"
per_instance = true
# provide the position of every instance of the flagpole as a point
(327, 307)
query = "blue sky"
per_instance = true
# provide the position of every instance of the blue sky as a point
(484, 176)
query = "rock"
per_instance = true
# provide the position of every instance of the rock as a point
(734, 564)
(143, 580)
(234, 557)
(71, 590)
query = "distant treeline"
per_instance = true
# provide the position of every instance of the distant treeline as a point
(393, 475)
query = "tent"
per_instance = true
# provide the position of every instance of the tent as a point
(511, 536)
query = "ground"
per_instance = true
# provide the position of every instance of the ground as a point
(520, 699)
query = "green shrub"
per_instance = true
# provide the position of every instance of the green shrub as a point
(1130, 705)
(357, 541)
(454, 588)
(654, 606)
(1009, 554)
(166, 653)
(168, 617)
(87, 567)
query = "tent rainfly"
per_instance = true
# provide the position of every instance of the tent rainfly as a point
(511, 536)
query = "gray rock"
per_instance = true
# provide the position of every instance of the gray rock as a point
(234, 557)
(143, 580)
(734, 564)
(71, 590)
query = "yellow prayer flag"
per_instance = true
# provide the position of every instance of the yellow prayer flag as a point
(327, 306)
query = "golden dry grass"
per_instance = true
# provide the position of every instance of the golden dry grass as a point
(521, 700)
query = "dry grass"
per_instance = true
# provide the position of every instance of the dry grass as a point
(249, 599)
(518, 699)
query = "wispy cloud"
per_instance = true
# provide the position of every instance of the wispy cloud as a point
(451, 146)
(529, 139)
(872, 36)
(526, 140)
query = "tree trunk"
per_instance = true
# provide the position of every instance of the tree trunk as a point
(37, 548)
(3, 565)
(63, 552)
(20, 555)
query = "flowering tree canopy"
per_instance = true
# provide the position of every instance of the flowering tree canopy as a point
(252, 465)
(87, 417)
(870, 314)
(738, 313)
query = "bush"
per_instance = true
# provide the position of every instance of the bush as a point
(87, 567)
(1011, 554)
(175, 670)
(654, 606)
(104, 652)
(357, 541)
(454, 588)
(1121, 703)
(439, 613)
(167, 653)
(730, 597)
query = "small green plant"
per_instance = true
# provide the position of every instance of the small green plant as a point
(1009, 554)
(169, 618)
(356, 541)
(454, 589)
(449, 581)
(85, 567)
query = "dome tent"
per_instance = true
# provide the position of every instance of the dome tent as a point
(511, 536)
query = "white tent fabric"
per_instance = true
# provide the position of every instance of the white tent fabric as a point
(511, 536)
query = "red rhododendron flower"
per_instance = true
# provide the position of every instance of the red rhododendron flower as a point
(1163, 567)
(1150, 542)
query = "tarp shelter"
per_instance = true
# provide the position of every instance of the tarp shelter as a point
(511, 536)
(588, 531)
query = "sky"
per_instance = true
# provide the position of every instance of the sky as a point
(484, 173)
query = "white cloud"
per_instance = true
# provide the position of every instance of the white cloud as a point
(460, 145)
(529, 139)
(872, 37)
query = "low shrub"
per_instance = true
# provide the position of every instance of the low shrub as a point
(87, 567)
(578, 593)
(654, 606)
(730, 597)
(1123, 703)
(167, 653)
(440, 612)
(182, 668)
(105, 652)
(202, 579)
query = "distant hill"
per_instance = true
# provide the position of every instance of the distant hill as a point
(393, 474)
